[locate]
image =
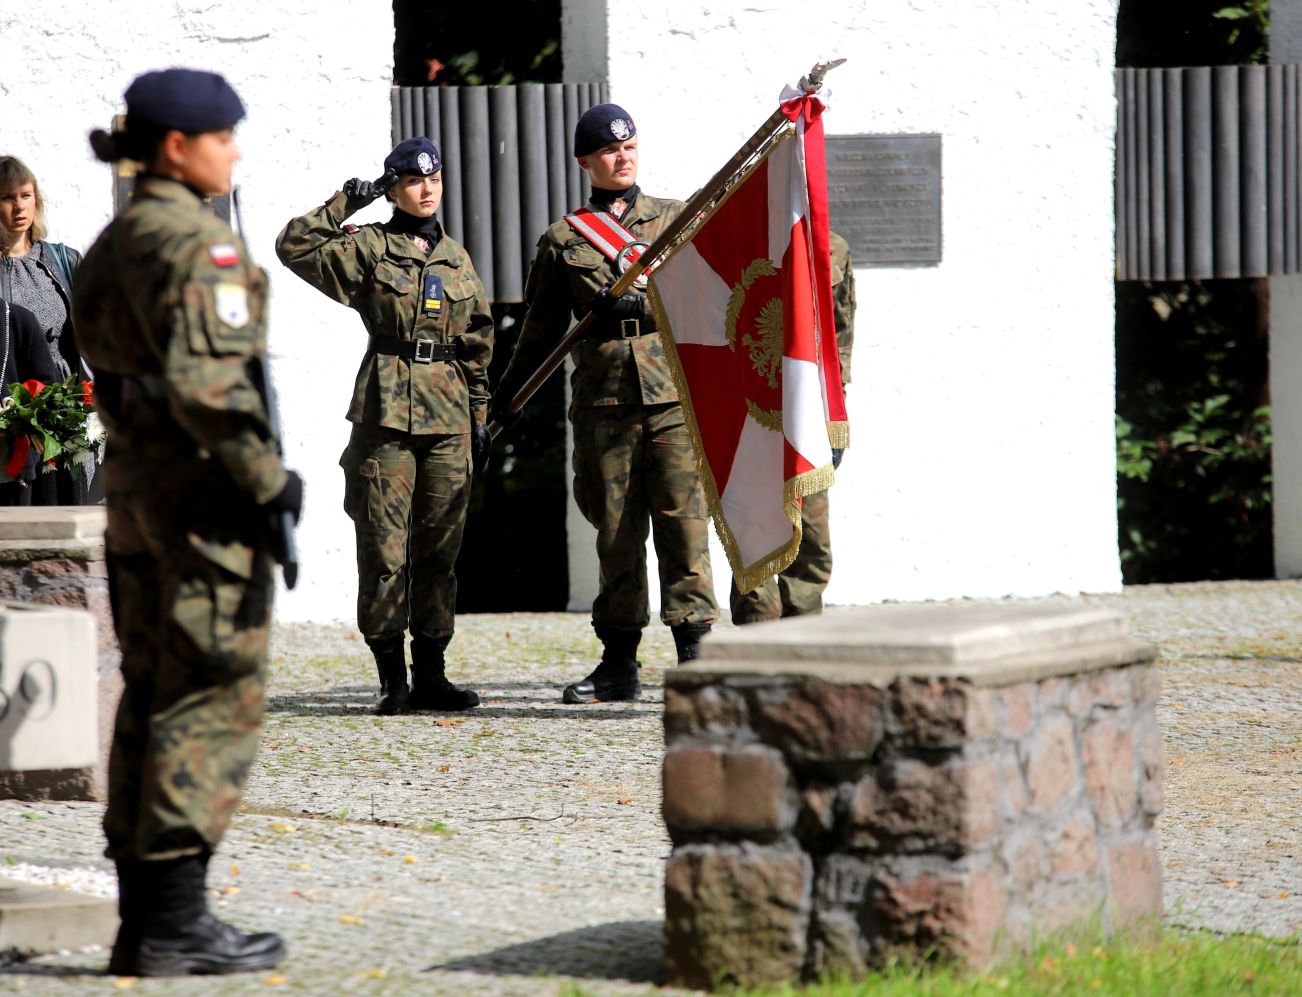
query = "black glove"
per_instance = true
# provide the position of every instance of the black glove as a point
(290, 499)
(481, 446)
(497, 409)
(837, 454)
(627, 305)
(360, 193)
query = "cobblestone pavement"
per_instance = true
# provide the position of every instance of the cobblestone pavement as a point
(519, 849)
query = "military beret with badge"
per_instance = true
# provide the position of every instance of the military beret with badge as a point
(189, 100)
(601, 125)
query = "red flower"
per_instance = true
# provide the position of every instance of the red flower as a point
(34, 386)
(89, 389)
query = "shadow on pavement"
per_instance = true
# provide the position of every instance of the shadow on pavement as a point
(620, 950)
(519, 700)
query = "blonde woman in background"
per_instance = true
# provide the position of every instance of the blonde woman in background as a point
(38, 275)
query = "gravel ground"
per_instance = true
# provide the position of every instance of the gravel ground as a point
(519, 849)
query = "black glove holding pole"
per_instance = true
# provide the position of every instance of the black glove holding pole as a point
(481, 445)
(360, 193)
(630, 304)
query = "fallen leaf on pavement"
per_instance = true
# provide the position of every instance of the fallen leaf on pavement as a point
(281, 828)
(386, 851)
(625, 801)
(300, 866)
(447, 722)
(410, 859)
(1230, 884)
(274, 981)
(122, 982)
(376, 974)
(230, 891)
(1284, 895)
(350, 919)
(445, 768)
(235, 870)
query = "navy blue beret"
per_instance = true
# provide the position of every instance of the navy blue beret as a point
(189, 100)
(601, 125)
(414, 155)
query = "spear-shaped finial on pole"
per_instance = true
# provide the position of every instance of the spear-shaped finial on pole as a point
(810, 83)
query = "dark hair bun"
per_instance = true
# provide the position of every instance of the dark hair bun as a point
(106, 146)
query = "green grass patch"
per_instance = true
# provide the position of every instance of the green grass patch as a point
(1199, 964)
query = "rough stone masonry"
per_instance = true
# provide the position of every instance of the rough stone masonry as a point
(918, 780)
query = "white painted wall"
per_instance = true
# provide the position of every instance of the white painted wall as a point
(318, 106)
(983, 396)
(1286, 352)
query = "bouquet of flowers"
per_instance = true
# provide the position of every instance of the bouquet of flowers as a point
(56, 420)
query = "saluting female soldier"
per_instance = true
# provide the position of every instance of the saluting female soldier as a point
(170, 312)
(418, 411)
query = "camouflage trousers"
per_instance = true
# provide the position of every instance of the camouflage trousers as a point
(798, 589)
(634, 474)
(407, 496)
(194, 647)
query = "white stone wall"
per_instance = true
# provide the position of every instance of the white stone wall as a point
(1286, 351)
(318, 103)
(983, 393)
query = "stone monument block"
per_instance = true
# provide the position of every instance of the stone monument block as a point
(48, 688)
(921, 780)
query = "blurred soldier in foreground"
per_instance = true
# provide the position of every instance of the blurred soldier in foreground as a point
(634, 465)
(799, 587)
(418, 411)
(171, 313)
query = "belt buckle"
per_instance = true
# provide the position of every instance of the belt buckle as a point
(424, 351)
(629, 328)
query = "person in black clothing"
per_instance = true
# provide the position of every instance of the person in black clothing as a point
(26, 356)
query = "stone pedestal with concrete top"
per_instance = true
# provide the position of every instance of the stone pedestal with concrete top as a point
(952, 781)
(54, 556)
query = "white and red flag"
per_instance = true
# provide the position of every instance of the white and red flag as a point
(745, 310)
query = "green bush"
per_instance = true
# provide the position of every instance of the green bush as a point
(1193, 432)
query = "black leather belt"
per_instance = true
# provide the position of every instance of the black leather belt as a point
(627, 328)
(419, 350)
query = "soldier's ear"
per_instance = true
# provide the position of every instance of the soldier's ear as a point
(583, 164)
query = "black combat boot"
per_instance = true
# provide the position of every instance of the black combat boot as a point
(430, 688)
(180, 936)
(615, 678)
(391, 663)
(687, 638)
(122, 960)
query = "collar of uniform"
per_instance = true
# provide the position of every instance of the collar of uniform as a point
(643, 209)
(166, 189)
(403, 246)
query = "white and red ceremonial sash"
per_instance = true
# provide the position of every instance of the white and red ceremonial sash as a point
(745, 312)
(617, 243)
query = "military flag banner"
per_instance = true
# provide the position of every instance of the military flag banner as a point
(745, 311)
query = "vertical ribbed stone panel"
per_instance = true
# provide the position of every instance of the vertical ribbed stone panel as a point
(504, 118)
(449, 143)
(510, 170)
(1173, 102)
(1226, 197)
(477, 196)
(1157, 173)
(1253, 183)
(1207, 172)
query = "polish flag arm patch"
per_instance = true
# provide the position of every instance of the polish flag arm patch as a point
(224, 254)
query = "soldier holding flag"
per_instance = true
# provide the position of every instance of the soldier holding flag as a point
(634, 465)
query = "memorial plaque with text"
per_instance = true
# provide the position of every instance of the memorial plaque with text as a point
(883, 192)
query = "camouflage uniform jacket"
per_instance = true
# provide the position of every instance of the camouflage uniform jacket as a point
(168, 301)
(843, 302)
(380, 272)
(567, 271)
